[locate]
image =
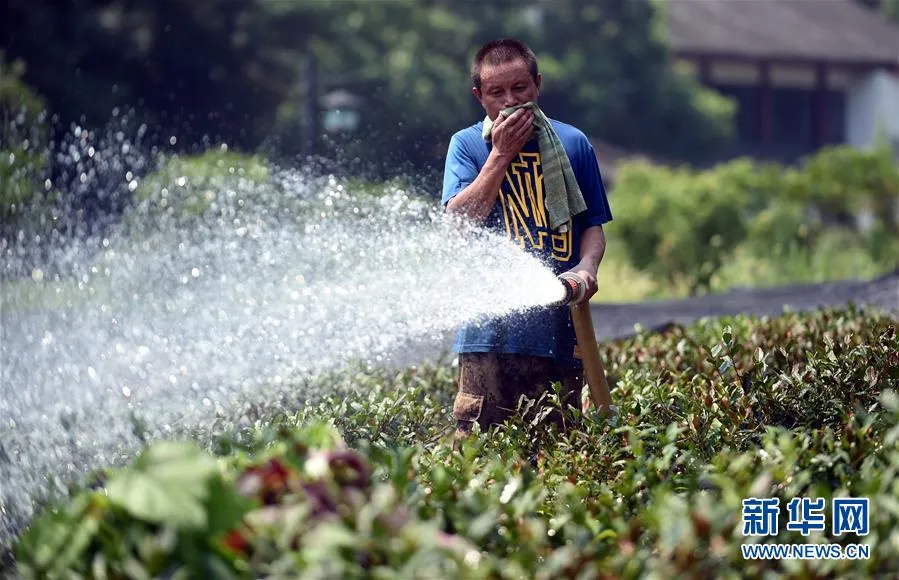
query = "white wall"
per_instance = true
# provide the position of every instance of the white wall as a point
(872, 106)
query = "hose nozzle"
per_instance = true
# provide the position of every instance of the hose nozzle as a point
(575, 288)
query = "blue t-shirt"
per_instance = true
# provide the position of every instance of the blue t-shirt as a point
(520, 212)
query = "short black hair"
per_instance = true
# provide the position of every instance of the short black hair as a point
(502, 51)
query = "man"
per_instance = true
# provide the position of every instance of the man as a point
(495, 179)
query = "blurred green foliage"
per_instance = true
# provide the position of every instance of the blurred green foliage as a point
(25, 201)
(889, 8)
(188, 186)
(676, 222)
(841, 181)
(684, 225)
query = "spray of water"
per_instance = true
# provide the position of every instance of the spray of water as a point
(180, 318)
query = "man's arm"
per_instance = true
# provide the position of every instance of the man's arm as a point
(593, 240)
(593, 247)
(509, 135)
(477, 199)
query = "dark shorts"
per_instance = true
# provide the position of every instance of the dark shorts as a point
(490, 385)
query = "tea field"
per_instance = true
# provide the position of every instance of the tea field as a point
(369, 483)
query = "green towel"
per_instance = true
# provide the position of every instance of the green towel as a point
(563, 196)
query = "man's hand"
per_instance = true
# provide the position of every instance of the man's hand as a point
(593, 247)
(586, 270)
(509, 134)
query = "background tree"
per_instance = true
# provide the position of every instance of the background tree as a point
(233, 71)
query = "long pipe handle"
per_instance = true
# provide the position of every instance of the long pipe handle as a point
(593, 368)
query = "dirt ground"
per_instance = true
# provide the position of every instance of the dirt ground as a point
(613, 321)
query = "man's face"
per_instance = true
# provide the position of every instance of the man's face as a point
(506, 85)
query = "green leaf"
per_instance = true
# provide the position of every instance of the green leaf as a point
(135, 570)
(331, 536)
(58, 540)
(81, 536)
(214, 567)
(169, 484)
(509, 490)
(890, 400)
(225, 507)
(726, 366)
(482, 525)
(606, 534)
(728, 335)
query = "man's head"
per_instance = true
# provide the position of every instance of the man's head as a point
(504, 74)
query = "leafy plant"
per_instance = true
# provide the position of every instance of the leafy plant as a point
(759, 223)
(367, 482)
(843, 180)
(677, 223)
(186, 187)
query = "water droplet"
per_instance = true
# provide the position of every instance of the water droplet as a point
(266, 312)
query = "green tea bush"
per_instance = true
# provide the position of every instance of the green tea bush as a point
(368, 483)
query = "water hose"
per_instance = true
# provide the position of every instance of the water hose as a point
(594, 372)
